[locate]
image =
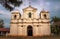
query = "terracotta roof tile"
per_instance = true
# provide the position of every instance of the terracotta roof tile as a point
(4, 29)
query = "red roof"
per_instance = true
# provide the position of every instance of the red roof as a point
(4, 29)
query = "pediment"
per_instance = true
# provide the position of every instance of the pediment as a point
(29, 8)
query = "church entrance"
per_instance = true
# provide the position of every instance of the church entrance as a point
(29, 31)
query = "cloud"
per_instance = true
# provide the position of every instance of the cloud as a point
(7, 25)
(1, 12)
(52, 5)
(5, 14)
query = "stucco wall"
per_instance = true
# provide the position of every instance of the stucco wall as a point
(41, 26)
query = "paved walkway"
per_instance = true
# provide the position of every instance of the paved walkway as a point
(50, 37)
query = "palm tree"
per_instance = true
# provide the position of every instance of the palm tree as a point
(10, 4)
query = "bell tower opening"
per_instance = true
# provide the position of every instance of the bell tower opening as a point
(29, 31)
(15, 16)
(45, 16)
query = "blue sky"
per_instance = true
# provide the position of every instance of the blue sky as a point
(53, 6)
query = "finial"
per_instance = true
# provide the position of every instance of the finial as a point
(29, 2)
(43, 10)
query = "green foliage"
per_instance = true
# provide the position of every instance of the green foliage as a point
(55, 19)
(15, 2)
(1, 23)
(10, 4)
(55, 30)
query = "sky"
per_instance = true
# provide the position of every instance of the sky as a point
(53, 6)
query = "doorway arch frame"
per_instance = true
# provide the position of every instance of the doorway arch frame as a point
(29, 29)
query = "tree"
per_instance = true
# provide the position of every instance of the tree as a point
(1, 23)
(55, 19)
(55, 28)
(10, 4)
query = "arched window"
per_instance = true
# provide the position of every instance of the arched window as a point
(30, 15)
(15, 16)
(45, 16)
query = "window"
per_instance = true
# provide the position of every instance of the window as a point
(14, 16)
(22, 26)
(37, 25)
(45, 16)
(30, 15)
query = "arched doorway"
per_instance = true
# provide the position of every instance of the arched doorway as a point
(29, 31)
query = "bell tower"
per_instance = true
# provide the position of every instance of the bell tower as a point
(14, 22)
(16, 15)
(44, 14)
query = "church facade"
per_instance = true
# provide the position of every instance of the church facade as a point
(30, 24)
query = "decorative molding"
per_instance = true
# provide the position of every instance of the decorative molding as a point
(28, 22)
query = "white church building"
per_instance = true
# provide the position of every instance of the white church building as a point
(30, 24)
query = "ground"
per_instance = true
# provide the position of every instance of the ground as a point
(30, 37)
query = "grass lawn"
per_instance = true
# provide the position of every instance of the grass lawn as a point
(30, 37)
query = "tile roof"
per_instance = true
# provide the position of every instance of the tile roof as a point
(4, 29)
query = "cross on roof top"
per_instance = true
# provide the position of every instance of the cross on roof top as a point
(29, 2)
